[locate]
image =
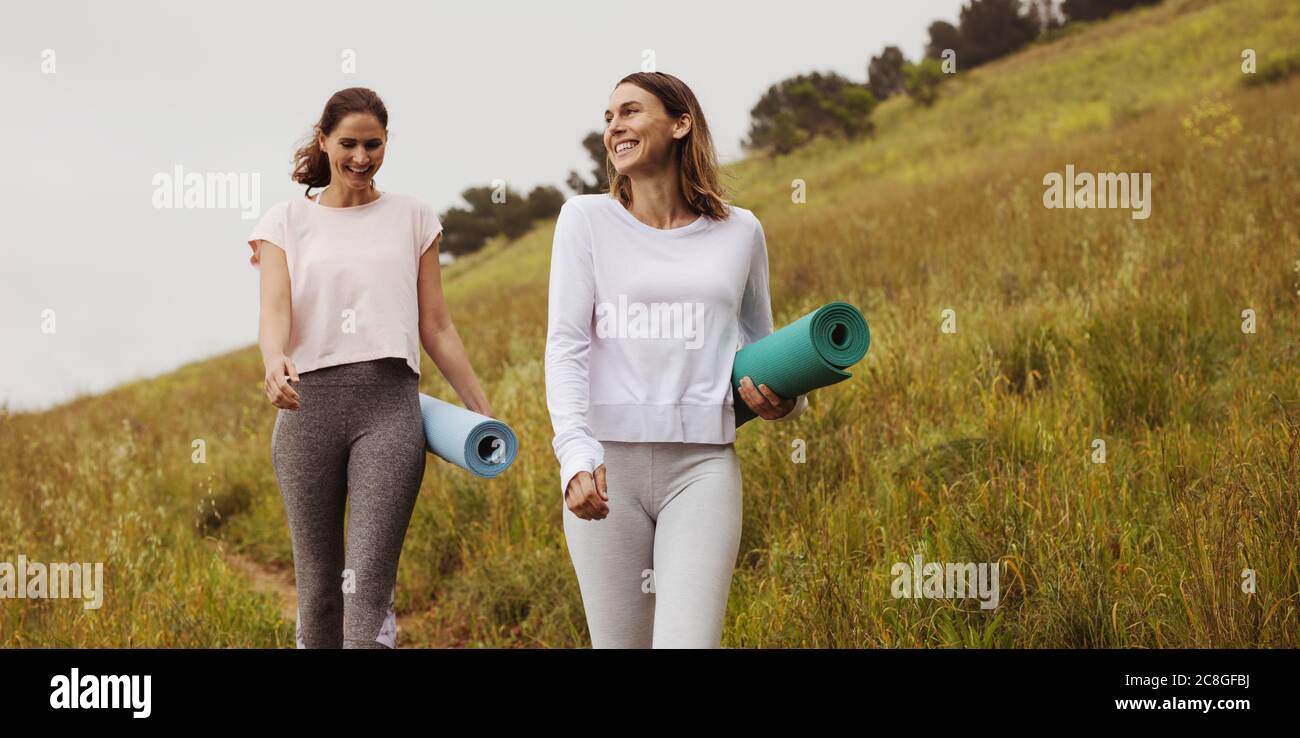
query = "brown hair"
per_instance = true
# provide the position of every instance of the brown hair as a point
(698, 162)
(311, 166)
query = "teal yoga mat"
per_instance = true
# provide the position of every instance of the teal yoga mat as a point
(479, 444)
(808, 354)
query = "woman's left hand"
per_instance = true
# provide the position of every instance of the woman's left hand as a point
(763, 401)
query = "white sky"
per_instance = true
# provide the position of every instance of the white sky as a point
(475, 92)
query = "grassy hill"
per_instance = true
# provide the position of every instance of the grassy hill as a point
(1072, 325)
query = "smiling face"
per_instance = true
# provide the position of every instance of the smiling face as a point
(639, 131)
(355, 150)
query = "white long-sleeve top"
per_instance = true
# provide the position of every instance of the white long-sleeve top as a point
(643, 325)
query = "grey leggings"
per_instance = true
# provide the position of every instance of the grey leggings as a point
(356, 438)
(657, 570)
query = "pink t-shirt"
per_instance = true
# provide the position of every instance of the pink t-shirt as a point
(352, 273)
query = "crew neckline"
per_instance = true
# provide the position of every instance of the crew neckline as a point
(636, 222)
(316, 201)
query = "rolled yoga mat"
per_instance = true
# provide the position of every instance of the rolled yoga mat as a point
(808, 354)
(474, 442)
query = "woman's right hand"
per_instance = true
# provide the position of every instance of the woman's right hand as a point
(587, 496)
(278, 371)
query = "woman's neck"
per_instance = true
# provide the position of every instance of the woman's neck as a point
(347, 197)
(657, 200)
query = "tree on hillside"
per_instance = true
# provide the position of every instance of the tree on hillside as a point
(885, 73)
(594, 143)
(544, 201)
(1077, 10)
(785, 135)
(1045, 14)
(465, 230)
(944, 35)
(494, 212)
(796, 109)
(991, 29)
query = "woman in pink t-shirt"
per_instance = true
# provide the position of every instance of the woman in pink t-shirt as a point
(350, 289)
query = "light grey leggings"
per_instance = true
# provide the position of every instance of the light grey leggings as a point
(657, 570)
(356, 438)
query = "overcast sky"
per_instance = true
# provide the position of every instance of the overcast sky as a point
(475, 91)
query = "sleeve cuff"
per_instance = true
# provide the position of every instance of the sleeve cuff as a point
(800, 405)
(569, 469)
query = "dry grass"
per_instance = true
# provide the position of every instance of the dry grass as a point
(1073, 325)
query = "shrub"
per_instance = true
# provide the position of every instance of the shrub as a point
(1275, 70)
(922, 80)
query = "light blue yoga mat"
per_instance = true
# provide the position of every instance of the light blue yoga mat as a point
(476, 443)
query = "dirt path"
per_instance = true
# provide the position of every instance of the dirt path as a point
(271, 580)
(277, 582)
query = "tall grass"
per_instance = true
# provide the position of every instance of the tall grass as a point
(1072, 326)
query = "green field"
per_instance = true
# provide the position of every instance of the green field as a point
(1072, 325)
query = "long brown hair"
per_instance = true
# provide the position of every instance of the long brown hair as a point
(698, 162)
(311, 166)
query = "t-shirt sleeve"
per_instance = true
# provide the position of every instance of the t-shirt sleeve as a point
(430, 226)
(272, 226)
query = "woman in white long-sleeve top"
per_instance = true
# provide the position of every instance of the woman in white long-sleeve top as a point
(653, 288)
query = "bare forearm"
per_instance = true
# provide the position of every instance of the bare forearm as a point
(448, 353)
(273, 333)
